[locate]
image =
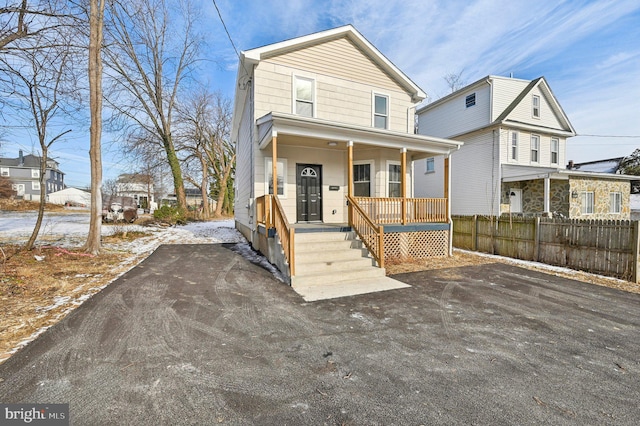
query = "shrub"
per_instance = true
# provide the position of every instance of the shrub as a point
(170, 214)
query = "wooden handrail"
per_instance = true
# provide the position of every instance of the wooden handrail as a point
(370, 234)
(405, 210)
(285, 232)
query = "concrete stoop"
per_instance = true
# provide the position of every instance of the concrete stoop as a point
(335, 264)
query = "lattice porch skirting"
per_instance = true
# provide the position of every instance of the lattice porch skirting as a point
(403, 246)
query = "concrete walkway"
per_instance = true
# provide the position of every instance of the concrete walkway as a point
(198, 335)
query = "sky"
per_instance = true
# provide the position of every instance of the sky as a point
(588, 51)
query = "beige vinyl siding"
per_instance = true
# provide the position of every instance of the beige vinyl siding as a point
(505, 91)
(523, 112)
(472, 188)
(344, 90)
(243, 176)
(453, 117)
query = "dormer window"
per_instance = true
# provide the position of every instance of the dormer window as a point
(535, 106)
(380, 111)
(304, 96)
(470, 100)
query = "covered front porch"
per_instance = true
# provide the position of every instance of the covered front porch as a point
(358, 179)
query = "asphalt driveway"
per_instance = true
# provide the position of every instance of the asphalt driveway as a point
(196, 334)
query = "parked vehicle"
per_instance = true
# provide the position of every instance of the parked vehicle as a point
(119, 209)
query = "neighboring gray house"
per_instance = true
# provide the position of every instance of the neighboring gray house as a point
(515, 134)
(24, 172)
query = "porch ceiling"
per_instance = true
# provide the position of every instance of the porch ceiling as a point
(320, 133)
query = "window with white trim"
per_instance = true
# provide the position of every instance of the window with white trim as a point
(615, 202)
(555, 149)
(35, 173)
(535, 148)
(282, 176)
(535, 106)
(430, 165)
(587, 202)
(362, 179)
(4, 171)
(394, 173)
(514, 146)
(35, 186)
(304, 92)
(380, 111)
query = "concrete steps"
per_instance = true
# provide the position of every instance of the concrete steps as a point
(329, 258)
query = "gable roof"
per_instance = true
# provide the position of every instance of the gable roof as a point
(541, 83)
(253, 56)
(28, 161)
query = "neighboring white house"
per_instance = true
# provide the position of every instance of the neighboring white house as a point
(71, 197)
(515, 135)
(322, 118)
(137, 186)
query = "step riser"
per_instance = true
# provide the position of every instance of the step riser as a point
(333, 267)
(330, 256)
(362, 274)
(315, 247)
(324, 236)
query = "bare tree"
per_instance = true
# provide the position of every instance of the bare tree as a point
(43, 82)
(455, 81)
(23, 19)
(96, 25)
(151, 53)
(206, 124)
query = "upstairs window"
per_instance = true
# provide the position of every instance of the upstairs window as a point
(535, 106)
(430, 165)
(535, 148)
(470, 100)
(555, 144)
(380, 111)
(4, 171)
(615, 202)
(304, 96)
(514, 146)
(35, 173)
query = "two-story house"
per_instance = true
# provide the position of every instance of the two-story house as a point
(137, 186)
(24, 173)
(328, 121)
(515, 134)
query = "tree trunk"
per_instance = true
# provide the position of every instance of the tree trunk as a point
(204, 190)
(93, 244)
(222, 192)
(43, 198)
(176, 172)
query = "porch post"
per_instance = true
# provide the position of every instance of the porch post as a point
(349, 176)
(447, 186)
(547, 194)
(403, 183)
(274, 162)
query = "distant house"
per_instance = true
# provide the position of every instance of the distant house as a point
(137, 186)
(24, 172)
(70, 197)
(610, 165)
(514, 133)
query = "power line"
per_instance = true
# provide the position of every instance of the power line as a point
(228, 35)
(611, 136)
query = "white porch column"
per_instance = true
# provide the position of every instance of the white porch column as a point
(547, 195)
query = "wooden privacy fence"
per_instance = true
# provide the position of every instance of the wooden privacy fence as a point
(604, 247)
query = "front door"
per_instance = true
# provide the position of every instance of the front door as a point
(515, 200)
(309, 192)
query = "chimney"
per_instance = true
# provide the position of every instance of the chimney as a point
(570, 165)
(20, 158)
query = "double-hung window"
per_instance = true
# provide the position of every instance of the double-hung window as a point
(587, 202)
(535, 106)
(615, 202)
(514, 146)
(555, 144)
(35, 173)
(304, 96)
(430, 165)
(394, 180)
(380, 111)
(535, 148)
(362, 180)
(4, 171)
